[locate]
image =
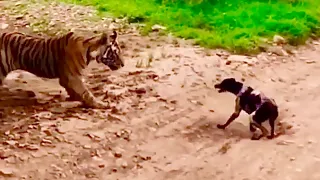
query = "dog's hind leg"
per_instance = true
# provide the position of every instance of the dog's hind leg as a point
(254, 125)
(251, 124)
(263, 130)
(271, 122)
(272, 125)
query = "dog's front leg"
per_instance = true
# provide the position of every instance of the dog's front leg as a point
(230, 120)
(233, 116)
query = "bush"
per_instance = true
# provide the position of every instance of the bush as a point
(236, 25)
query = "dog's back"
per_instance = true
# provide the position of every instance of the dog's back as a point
(251, 100)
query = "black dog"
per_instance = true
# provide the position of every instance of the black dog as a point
(250, 101)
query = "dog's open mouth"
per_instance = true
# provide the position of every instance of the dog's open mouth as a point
(220, 90)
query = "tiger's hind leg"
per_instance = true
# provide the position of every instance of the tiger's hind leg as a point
(77, 91)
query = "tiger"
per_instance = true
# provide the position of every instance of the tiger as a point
(63, 57)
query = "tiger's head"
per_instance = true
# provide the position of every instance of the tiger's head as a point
(106, 50)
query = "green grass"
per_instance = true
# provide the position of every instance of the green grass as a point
(235, 25)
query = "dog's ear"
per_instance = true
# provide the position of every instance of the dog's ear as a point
(232, 79)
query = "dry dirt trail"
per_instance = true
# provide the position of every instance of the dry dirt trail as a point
(163, 121)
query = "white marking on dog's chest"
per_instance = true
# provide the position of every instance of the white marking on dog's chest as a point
(256, 92)
(242, 90)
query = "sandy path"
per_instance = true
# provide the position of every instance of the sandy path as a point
(169, 131)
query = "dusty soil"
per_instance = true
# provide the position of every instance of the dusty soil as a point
(162, 124)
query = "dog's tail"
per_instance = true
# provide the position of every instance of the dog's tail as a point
(273, 101)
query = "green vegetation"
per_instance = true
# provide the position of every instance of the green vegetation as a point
(236, 25)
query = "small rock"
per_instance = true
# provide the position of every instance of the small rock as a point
(173, 101)
(4, 26)
(277, 39)
(310, 141)
(303, 58)
(277, 50)
(44, 114)
(32, 147)
(21, 145)
(145, 156)
(156, 78)
(97, 136)
(19, 17)
(125, 134)
(121, 163)
(6, 171)
(112, 117)
(118, 152)
(240, 59)
(300, 146)
(38, 154)
(290, 49)
(157, 27)
(87, 146)
(4, 154)
(10, 142)
(58, 110)
(46, 142)
(151, 99)
(169, 107)
(114, 170)
(225, 147)
(284, 142)
(140, 90)
(292, 158)
(56, 168)
(118, 134)
(101, 163)
(309, 61)
(47, 132)
(11, 160)
(71, 104)
(64, 127)
(196, 102)
(281, 80)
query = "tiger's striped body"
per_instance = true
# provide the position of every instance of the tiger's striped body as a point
(64, 57)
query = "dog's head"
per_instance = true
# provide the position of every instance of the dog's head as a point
(229, 85)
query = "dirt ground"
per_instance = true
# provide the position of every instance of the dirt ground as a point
(162, 124)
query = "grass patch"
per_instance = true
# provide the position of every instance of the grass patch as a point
(235, 25)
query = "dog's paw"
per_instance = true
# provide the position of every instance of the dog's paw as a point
(256, 137)
(221, 126)
(270, 136)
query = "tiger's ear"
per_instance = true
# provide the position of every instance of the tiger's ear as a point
(114, 36)
(69, 34)
(103, 39)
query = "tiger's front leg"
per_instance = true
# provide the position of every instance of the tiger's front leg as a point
(77, 91)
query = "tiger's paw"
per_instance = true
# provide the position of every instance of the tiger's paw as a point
(100, 105)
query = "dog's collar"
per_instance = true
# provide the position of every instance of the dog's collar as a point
(242, 90)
